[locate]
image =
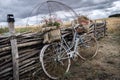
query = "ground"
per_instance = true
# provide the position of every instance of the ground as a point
(105, 66)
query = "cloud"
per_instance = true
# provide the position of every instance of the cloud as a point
(92, 8)
(115, 7)
(100, 10)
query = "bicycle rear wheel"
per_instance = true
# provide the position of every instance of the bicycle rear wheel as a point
(52, 64)
(87, 47)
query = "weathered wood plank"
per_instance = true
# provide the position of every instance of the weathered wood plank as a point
(14, 47)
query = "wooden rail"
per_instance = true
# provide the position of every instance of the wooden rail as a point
(99, 29)
(28, 47)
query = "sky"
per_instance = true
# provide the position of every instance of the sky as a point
(21, 9)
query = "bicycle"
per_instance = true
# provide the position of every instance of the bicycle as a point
(56, 57)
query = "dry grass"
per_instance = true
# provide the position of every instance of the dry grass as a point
(105, 66)
(22, 29)
(113, 24)
(29, 29)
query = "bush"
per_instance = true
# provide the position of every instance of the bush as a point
(115, 15)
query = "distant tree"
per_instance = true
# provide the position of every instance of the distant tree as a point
(115, 15)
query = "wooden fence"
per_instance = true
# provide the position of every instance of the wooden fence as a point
(23, 63)
(99, 29)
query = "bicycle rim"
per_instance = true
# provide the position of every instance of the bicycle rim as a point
(88, 48)
(52, 68)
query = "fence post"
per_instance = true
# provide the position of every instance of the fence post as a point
(95, 35)
(105, 28)
(14, 49)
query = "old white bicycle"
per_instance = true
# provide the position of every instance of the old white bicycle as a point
(56, 57)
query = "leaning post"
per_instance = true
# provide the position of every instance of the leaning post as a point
(14, 48)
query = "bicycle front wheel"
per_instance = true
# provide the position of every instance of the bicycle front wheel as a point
(88, 47)
(52, 64)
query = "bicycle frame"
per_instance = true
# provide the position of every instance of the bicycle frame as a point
(71, 53)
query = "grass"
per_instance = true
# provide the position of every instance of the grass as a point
(4, 30)
(66, 76)
(113, 25)
(21, 30)
(27, 29)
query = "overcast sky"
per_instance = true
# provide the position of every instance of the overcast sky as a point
(94, 9)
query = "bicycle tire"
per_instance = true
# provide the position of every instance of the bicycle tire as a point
(51, 74)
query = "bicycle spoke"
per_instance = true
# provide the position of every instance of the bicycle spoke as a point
(52, 65)
(88, 47)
